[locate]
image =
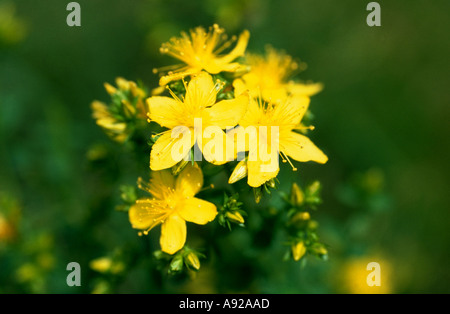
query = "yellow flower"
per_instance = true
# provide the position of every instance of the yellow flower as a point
(12, 28)
(354, 275)
(173, 203)
(274, 134)
(200, 51)
(191, 117)
(269, 77)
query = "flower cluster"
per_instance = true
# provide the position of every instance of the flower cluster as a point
(221, 105)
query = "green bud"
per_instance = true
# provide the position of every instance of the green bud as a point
(313, 188)
(297, 196)
(176, 264)
(313, 225)
(257, 193)
(235, 217)
(128, 194)
(299, 218)
(192, 260)
(319, 250)
(271, 183)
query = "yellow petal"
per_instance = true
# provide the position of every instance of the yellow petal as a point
(253, 115)
(257, 175)
(165, 111)
(243, 139)
(190, 180)
(160, 182)
(274, 95)
(226, 113)
(201, 92)
(173, 234)
(171, 147)
(301, 148)
(166, 79)
(304, 89)
(146, 214)
(239, 87)
(238, 50)
(290, 112)
(217, 148)
(262, 164)
(197, 211)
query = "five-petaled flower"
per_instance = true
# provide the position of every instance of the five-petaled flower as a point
(181, 116)
(270, 75)
(286, 118)
(173, 203)
(202, 51)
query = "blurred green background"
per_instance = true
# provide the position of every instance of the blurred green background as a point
(383, 120)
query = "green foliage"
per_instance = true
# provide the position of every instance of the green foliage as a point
(382, 117)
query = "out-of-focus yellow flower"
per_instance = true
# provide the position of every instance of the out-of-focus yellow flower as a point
(285, 118)
(9, 218)
(27, 272)
(46, 260)
(298, 250)
(189, 117)
(106, 265)
(353, 277)
(7, 230)
(201, 50)
(101, 264)
(269, 77)
(12, 28)
(173, 204)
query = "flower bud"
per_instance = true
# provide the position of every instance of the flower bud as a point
(122, 83)
(314, 188)
(257, 193)
(239, 172)
(193, 261)
(102, 264)
(297, 196)
(298, 250)
(299, 218)
(271, 183)
(235, 217)
(177, 263)
(110, 89)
